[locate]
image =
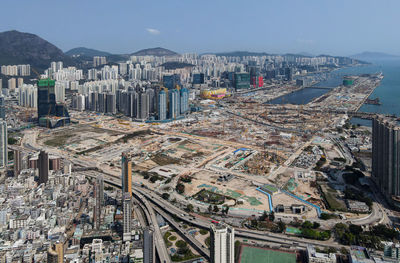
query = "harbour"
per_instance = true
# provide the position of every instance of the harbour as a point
(300, 96)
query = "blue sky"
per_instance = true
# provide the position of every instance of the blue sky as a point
(338, 27)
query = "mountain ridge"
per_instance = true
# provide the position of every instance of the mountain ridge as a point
(157, 51)
(27, 48)
(86, 52)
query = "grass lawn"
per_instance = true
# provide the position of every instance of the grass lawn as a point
(259, 255)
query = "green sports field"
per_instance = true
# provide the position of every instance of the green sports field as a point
(258, 255)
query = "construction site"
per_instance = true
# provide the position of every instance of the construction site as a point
(239, 153)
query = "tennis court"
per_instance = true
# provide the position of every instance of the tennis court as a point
(293, 230)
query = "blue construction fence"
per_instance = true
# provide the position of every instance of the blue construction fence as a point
(304, 201)
(271, 208)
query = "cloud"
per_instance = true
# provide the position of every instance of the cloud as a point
(153, 31)
(305, 41)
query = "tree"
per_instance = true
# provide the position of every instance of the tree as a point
(384, 232)
(154, 178)
(324, 235)
(11, 140)
(180, 188)
(316, 225)
(271, 216)
(344, 251)
(326, 216)
(189, 208)
(181, 244)
(281, 226)
(183, 250)
(165, 196)
(203, 232)
(355, 230)
(331, 250)
(307, 224)
(225, 209)
(216, 209)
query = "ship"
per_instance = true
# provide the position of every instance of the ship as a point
(373, 101)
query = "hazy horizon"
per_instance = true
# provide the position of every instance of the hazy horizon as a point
(341, 28)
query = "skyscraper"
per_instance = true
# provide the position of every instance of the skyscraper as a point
(170, 81)
(198, 78)
(3, 144)
(127, 206)
(111, 103)
(46, 97)
(43, 164)
(126, 168)
(2, 108)
(18, 156)
(241, 81)
(142, 104)
(173, 104)
(99, 199)
(288, 74)
(148, 246)
(47, 106)
(162, 106)
(184, 103)
(100, 182)
(222, 244)
(385, 158)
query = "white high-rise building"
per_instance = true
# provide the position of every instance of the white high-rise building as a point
(97, 61)
(60, 91)
(222, 244)
(28, 96)
(3, 144)
(20, 82)
(12, 84)
(92, 74)
(123, 68)
(81, 102)
(60, 66)
(127, 203)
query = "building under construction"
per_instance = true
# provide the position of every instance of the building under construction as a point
(50, 114)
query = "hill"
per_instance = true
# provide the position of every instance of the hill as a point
(158, 52)
(86, 52)
(241, 54)
(370, 56)
(25, 48)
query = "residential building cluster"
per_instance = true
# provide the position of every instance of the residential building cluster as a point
(16, 70)
(98, 61)
(50, 214)
(140, 103)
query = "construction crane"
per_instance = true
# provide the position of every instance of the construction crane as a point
(37, 73)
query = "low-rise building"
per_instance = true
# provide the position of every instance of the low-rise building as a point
(316, 257)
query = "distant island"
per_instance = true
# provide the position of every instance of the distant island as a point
(371, 56)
